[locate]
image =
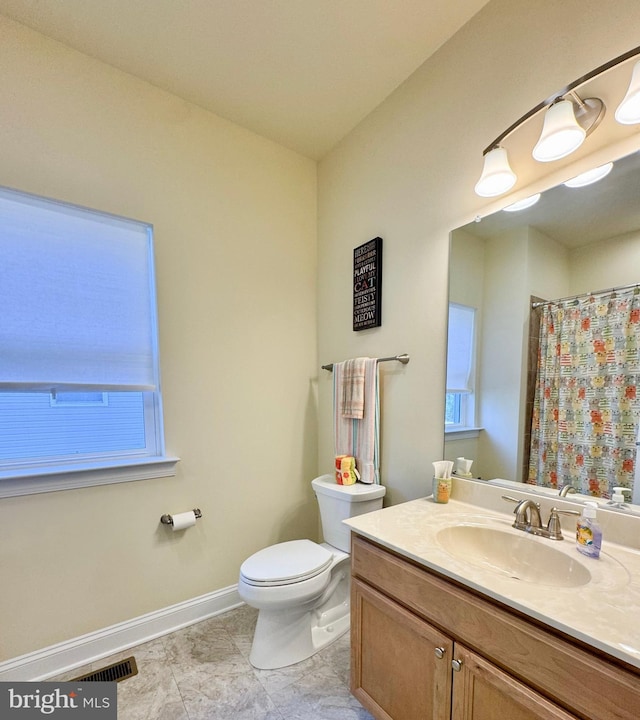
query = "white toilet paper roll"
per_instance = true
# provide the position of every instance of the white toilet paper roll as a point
(184, 520)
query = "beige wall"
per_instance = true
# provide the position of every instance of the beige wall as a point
(548, 267)
(498, 276)
(466, 287)
(504, 312)
(605, 264)
(407, 174)
(235, 241)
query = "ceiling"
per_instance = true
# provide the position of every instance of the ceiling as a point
(300, 72)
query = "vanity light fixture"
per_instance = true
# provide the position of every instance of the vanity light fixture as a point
(568, 120)
(590, 176)
(561, 134)
(497, 176)
(523, 204)
(628, 112)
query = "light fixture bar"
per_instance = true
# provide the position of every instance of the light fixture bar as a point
(565, 91)
(589, 112)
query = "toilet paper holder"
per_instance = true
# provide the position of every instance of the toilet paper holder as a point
(168, 519)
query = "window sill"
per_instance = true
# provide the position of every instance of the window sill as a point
(51, 478)
(462, 433)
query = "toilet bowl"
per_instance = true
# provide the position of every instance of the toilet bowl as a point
(302, 588)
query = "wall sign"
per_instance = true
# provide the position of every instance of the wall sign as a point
(367, 285)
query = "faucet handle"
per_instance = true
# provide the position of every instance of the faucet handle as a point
(554, 529)
(510, 499)
(565, 512)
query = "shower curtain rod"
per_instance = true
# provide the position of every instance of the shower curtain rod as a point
(404, 359)
(586, 294)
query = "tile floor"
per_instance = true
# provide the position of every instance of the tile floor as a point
(203, 673)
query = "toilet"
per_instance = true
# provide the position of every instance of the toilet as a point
(301, 588)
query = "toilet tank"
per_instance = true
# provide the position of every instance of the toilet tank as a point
(339, 502)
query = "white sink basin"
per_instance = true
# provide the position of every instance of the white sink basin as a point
(518, 556)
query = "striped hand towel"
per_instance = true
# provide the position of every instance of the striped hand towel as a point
(353, 388)
(359, 437)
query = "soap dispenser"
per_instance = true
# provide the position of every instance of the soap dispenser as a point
(618, 498)
(588, 532)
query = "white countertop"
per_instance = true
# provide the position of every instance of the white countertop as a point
(603, 613)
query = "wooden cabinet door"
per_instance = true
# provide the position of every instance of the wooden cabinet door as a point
(400, 665)
(481, 691)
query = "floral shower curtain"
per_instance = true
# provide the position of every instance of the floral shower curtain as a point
(587, 398)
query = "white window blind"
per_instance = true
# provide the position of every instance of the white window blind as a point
(460, 348)
(78, 318)
(77, 298)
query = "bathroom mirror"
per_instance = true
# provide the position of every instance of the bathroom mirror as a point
(573, 241)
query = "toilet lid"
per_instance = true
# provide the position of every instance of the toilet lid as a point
(286, 562)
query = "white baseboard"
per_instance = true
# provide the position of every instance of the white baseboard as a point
(65, 656)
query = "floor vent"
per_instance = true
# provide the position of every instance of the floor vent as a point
(112, 673)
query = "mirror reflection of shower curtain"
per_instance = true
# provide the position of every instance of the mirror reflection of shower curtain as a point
(635, 496)
(587, 400)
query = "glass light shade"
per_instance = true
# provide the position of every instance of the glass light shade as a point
(590, 176)
(561, 134)
(628, 112)
(523, 204)
(497, 176)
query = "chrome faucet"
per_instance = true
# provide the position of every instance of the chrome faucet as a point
(566, 489)
(527, 514)
(528, 518)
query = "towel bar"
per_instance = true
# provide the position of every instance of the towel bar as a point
(404, 359)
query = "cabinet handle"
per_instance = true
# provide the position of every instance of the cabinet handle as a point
(456, 665)
(440, 652)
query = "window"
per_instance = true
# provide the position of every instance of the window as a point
(459, 399)
(80, 399)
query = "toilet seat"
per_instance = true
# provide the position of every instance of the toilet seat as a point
(286, 563)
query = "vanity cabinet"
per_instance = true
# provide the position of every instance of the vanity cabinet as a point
(481, 691)
(425, 647)
(396, 674)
